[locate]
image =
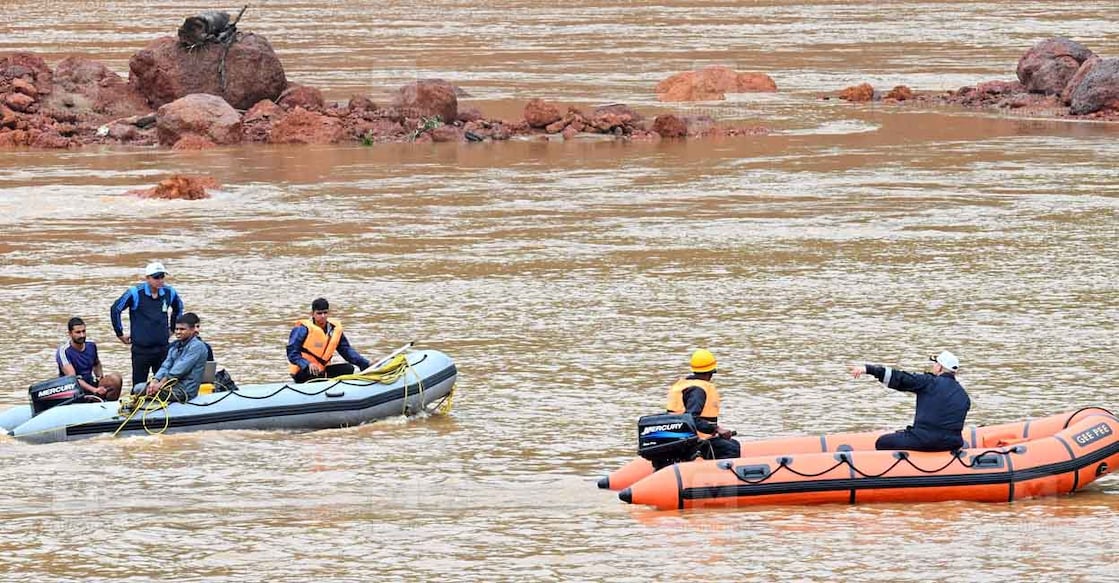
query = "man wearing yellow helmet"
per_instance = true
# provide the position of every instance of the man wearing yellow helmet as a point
(696, 395)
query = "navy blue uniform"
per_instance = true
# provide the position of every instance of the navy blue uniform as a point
(942, 406)
(151, 323)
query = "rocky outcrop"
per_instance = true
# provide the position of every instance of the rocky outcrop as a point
(712, 84)
(304, 96)
(179, 186)
(1099, 91)
(200, 114)
(165, 71)
(540, 114)
(1050, 65)
(82, 84)
(858, 93)
(300, 126)
(427, 98)
(670, 126)
(1078, 78)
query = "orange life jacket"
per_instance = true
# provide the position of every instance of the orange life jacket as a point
(675, 402)
(318, 346)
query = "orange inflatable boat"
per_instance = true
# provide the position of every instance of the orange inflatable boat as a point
(1042, 457)
(974, 437)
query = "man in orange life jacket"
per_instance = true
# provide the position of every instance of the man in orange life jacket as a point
(696, 394)
(314, 341)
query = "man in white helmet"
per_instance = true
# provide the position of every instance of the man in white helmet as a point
(942, 405)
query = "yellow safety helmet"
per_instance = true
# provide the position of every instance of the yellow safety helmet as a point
(703, 361)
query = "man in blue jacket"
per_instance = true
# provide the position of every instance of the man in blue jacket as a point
(942, 405)
(153, 308)
(185, 364)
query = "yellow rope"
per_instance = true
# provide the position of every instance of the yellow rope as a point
(448, 402)
(132, 404)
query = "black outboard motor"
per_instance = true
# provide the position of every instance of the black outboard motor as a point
(54, 392)
(667, 438)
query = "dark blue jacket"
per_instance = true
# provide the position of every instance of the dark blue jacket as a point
(942, 404)
(151, 320)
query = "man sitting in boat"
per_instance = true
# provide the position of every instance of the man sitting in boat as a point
(78, 357)
(942, 405)
(696, 395)
(182, 370)
(314, 341)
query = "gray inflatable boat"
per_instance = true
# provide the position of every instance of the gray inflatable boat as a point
(426, 379)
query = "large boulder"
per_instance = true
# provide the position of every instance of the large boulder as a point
(165, 71)
(1099, 90)
(427, 98)
(200, 114)
(1078, 78)
(1049, 65)
(539, 113)
(84, 85)
(712, 84)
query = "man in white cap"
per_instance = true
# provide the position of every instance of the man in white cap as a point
(942, 405)
(153, 308)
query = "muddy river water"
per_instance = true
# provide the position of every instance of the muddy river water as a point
(570, 281)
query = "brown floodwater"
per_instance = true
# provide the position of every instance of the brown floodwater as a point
(570, 281)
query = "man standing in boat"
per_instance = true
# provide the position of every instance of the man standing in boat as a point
(181, 373)
(942, 405)
(153, 308)
(696, 395)
(314, 341)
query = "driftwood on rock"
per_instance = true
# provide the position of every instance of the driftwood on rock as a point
(210, 26)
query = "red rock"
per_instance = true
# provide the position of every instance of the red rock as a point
(201, 114)
(179, 186)
(900, 93)
(1049, 65)
(19, 102)
(861, 92)
(1078, 78)
(1099, 91)
(999, 87)
(427, 98)
(304, 96)
(165, 71)
(446, 133)
(51, 140)
(361, 103)
(262, 110)
(29, 67)
(86, 87)
(619, 109)
(555, 127)
(469, 115)
(712, 84)
(300, 126)
(670, 126)
(539, 113)
(25, 87)
(569, 132)
(8, 118)
(191, 142)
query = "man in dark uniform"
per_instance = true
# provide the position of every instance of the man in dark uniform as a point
(153, 308)
(942, 405)
(696, 395)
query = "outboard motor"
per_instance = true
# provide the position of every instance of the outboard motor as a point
(54, 392)
(667, 438)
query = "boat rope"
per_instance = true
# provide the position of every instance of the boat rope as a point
(132, 404)
(844, 459)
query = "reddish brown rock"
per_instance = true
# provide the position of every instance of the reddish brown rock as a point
(1099, 91)
(469, 115)
(446, 133)
(25, 87)
(555, 127)
(29, 67)
(304, 96)
(539, 113)
(263, 110)
(670, 126)
(900, 93)
(619, 109)
(7, 118)
(569, 132)
(50, 140)
(361, 104)
(19, 102)
(999, 87)
(191, 142)
(86, 86)
(1078, 78)
(712, 84)
(1049, 65)
(201, 114)
(300, 126)
(861, 92)
(181, 187)
(165, 71)
(427, 98)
